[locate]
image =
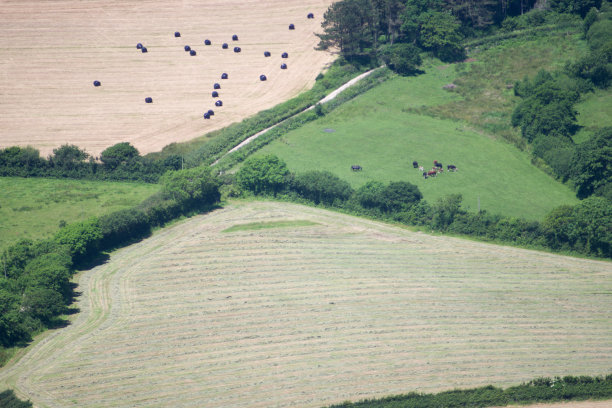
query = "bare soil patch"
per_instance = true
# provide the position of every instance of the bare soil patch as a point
(52, 51)
(312, 315)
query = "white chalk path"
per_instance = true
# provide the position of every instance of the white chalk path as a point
(328, 98)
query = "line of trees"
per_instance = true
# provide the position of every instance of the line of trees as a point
(118, 162)
(584, 228)
(35, 286)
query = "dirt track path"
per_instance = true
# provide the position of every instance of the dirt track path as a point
(308, 316)
(52, 51)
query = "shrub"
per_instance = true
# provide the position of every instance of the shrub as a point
(402, 58)
(192, 188)
(263, 175)
(321, 187)
(81, 237)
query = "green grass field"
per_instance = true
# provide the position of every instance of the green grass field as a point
(33, 208)
(413, 118)
(594, 113)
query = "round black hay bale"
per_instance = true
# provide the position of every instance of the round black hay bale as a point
(237, 49)
(262, 77)
(97, 83)
(187, 48)
(148, 99)
(139, 46)
(283, 66)
(144, 50)
(224, 46)
(291, 27)
(234, 37)
(216, 86)
(310, 15)
(177, 34)
(224, 76)
(207, 115)
(267, 53)
(215, 94)
(207, 42)
(211, 112)
(284, 55)
(192, 53)
(219, 103)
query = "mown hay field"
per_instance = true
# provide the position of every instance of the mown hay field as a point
(316, 309)
(52, 51)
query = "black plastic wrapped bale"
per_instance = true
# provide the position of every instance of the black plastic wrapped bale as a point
(310, 15)
(283, 66)
(139, 46)
(219, 103)
(144, 49)
(177, 34)
(224, 76)
(192, 53)
(216, 86)
(267, 53)
(237, 49)
(97, 83)
(291, 27)
(284, 55)
(207, 115)
(234, 37)
(207, 42)
(224, 46)
(211, 112)
(262, 77)
(148, 99)
(187, 48)
(215, 94)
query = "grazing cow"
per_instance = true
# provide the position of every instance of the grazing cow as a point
(421, 168)
(432, 173)
(425, 175)
(438, 165)
(451, 167)
(415, 164)
(356, 167)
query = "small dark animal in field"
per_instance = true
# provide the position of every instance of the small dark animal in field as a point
(424, 174)
(432, 173)
(356, 167)
(451, 167)
(415, 164)
(438, 165)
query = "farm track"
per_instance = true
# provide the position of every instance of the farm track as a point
(313, 315)
(51, 52)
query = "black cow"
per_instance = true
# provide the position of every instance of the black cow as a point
(451, 167)
(415, 164)
(438, 165)
(356, 167)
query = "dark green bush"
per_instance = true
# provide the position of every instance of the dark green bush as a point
(321, 187)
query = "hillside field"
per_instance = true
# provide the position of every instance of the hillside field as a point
(32, 208)
(52, 51)
(317, 308)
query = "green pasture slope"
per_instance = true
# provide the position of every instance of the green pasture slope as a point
(33, 207)
(413, 118)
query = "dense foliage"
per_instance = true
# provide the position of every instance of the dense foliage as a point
(539, 390)
(8, 399)
(35, 285)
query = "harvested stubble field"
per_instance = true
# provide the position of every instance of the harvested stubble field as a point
(324, 308)
(52, 51)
